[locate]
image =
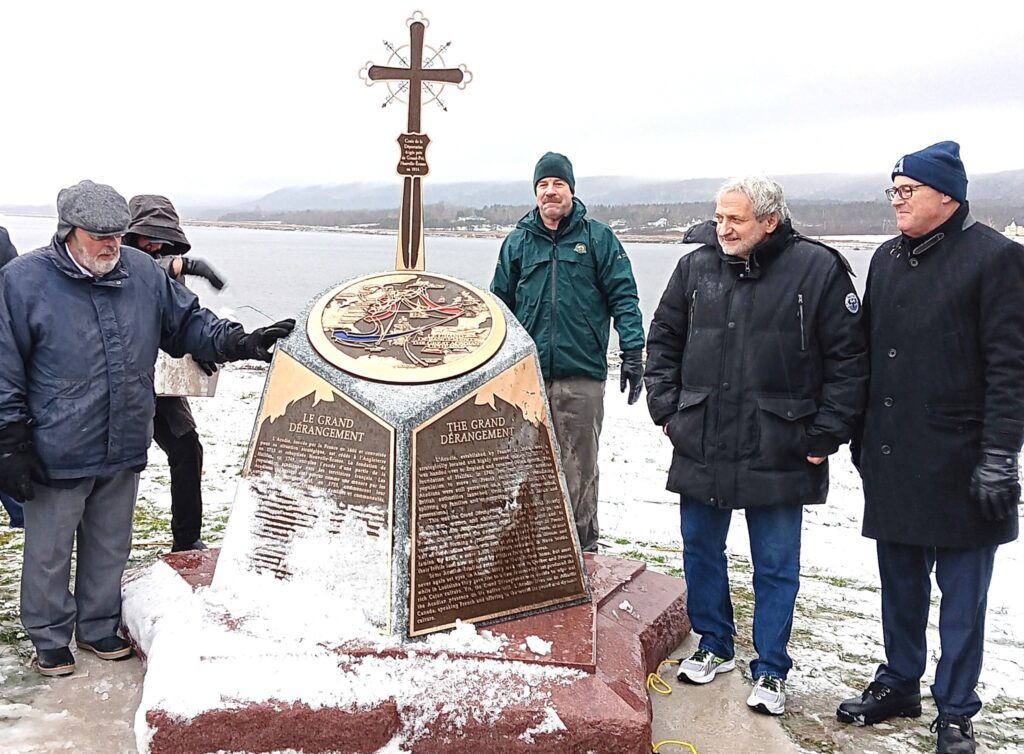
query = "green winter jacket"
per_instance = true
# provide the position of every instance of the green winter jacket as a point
(564, 286)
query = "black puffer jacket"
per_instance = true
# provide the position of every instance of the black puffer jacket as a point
(754, 365)
(946, 320)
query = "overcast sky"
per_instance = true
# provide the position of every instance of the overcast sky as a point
(237, 99)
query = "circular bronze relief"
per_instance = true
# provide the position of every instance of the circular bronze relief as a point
(406, 327)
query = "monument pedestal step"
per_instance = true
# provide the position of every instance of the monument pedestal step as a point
(219, 682)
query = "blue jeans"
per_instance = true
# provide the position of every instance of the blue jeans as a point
(14, 510)
(775, 550)
(963, 577)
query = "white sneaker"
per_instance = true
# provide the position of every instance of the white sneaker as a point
(768, 695)
(702, 667)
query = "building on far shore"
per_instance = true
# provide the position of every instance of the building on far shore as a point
(1013, 229)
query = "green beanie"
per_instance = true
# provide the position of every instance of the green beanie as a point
(554, 165)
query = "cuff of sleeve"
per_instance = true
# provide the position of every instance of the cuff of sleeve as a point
(822, 445)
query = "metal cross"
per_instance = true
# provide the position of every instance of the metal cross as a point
(415, 74)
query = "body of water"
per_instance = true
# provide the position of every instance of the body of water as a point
(278, 272)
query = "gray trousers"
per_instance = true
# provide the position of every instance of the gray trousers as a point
(97, 512)
(577, 410)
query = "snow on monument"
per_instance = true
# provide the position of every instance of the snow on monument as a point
(402, 486)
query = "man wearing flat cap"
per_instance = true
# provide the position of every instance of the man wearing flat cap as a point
(565, 277)
(940, 437)
(81, 321)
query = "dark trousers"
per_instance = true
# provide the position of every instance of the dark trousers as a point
(185, 458)
(963, 576)
(14, 510)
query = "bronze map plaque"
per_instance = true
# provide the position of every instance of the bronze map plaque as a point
(491, 533)
(406, 327)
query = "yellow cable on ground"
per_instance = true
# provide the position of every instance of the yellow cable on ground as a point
(658, 685)
(655, 747)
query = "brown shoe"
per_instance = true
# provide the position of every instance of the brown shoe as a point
(107, 648)
(55, 662)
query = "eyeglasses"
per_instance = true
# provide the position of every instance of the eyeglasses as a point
(905, 191)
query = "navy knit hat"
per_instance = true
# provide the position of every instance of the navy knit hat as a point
(937, 166)
(554, 165)
(94, 207)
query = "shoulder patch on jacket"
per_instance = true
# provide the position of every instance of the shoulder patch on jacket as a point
(852, 303)
(580, 248)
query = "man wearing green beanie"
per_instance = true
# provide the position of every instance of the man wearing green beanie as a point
(565, 277)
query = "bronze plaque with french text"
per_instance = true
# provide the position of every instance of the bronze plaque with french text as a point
(491, 531)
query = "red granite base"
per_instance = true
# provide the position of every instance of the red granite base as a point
(605, 712)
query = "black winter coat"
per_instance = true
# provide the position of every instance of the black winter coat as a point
(754, 365)
(7, 250)
(946, 320)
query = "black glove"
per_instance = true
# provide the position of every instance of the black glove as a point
(200, 268)
(19, 464)
(209, 367)
(995, 485)
(632, 372)
(257, 344)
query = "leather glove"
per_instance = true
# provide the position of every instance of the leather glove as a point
(995, 485)
(257, 344)
(632, 372)
(209, 367)
(19, 464)
(201, 268)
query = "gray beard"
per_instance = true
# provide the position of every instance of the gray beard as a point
(99, 269)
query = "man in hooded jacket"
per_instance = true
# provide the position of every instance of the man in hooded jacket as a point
(156, 229)
(565, 276)
(939, 442)
(76, 410)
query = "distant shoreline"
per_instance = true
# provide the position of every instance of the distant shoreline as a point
(842, 241)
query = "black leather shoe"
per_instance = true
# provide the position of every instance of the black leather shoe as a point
(197, 545)
(878, 703)
(955, 735)
(55, 662)
(107, 648)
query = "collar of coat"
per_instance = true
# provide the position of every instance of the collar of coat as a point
(957, 223)
(59, 255)
(760, 256)
(532, 222)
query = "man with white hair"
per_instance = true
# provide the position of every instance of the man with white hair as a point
(76, 410)
(756, 370)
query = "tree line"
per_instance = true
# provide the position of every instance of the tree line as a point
(814, 218)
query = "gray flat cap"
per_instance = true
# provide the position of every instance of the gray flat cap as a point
(94, 207)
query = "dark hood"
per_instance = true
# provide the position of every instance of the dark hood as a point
(154, 216)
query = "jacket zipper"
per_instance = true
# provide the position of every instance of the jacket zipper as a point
(800, 313)
(554, 310)
(693, 310)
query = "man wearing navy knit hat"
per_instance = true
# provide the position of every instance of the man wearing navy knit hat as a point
(939, 442)
(565, 277)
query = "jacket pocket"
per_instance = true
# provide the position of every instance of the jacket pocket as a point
(955, 418)
(47, 396)
(686, 427)
(782, 433)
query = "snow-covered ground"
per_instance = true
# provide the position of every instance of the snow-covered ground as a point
(836, 639)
